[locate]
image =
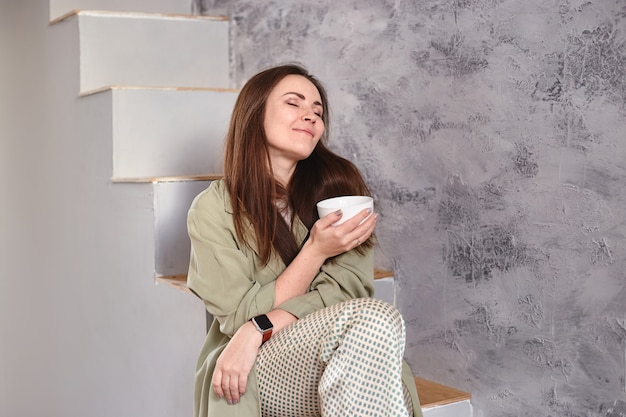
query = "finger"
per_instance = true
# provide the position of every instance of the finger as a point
(365, 230)
(359, 219)
(226, 389)
(330, 219)
(370, 224)
(243, 382)
(217, 383)
(365, 213)
(359, 227)
(233, 387)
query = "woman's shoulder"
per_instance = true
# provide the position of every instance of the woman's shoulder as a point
(213, 197)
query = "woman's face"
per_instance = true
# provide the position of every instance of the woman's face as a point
(293, 120)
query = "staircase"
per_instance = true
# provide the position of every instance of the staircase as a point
(161, 97)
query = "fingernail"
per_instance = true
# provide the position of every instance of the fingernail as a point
(369, 211)
(338, 212)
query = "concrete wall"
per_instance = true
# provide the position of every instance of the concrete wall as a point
(493, 135)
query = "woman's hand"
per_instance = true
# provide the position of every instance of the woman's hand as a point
(329, 240)
(325, 241)
(232, 368)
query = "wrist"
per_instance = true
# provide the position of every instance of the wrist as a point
(309, 251)
(263, 326)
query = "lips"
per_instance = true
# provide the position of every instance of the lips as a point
(307, 131)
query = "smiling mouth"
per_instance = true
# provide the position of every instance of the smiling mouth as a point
(308, 132)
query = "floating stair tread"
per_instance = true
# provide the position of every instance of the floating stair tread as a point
(432, 394)
(177, 281)
(180, 281)
(158, 88)
(205, 177)
(382, 273)
(141, 15)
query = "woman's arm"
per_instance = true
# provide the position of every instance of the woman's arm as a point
(350, 275)
(226, 276)
(325, 241)
(236, 361)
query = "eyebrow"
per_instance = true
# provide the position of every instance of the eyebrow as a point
(302, 97)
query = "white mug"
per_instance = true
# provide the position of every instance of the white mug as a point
(350, 205)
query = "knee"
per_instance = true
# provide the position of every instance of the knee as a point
(378, 316)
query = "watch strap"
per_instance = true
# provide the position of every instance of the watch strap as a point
(266, 336)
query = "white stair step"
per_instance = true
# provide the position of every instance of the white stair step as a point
(167, 132)
(172, 246)
(384, 290)
(60, 8)
(149, 50)
(461, 408)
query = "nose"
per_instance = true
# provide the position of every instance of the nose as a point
(310, 116)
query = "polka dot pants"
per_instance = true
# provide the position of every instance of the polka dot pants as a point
(344, 360)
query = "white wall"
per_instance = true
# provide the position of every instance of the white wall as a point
(22, 302)
(4, 215)
(83, 329)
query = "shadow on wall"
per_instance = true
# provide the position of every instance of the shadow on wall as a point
(209, 7)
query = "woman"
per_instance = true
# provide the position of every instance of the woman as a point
(294, 331)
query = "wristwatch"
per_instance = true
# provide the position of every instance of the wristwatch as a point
(264, 325)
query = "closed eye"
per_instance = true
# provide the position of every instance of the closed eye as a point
(294, 103)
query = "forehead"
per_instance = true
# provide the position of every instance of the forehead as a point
(297, 84)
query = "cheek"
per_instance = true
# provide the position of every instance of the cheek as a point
(272, 123)
(321, 130)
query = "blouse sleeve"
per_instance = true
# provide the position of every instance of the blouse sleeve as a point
(221, 272)
(350, 276)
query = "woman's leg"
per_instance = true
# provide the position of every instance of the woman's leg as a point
(342, 360)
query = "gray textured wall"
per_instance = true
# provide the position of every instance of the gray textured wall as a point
(492, 133)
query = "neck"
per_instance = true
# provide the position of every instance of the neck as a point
(283, 173)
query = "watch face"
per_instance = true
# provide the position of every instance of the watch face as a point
(263, 322)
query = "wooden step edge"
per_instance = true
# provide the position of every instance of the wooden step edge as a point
(155, 88)
(111, 13)
(382, 273)
(432, 394)
(180, 281)
(182, 178)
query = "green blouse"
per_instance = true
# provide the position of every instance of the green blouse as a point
(226, 275)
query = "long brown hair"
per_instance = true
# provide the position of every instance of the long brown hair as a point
(250, 181)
